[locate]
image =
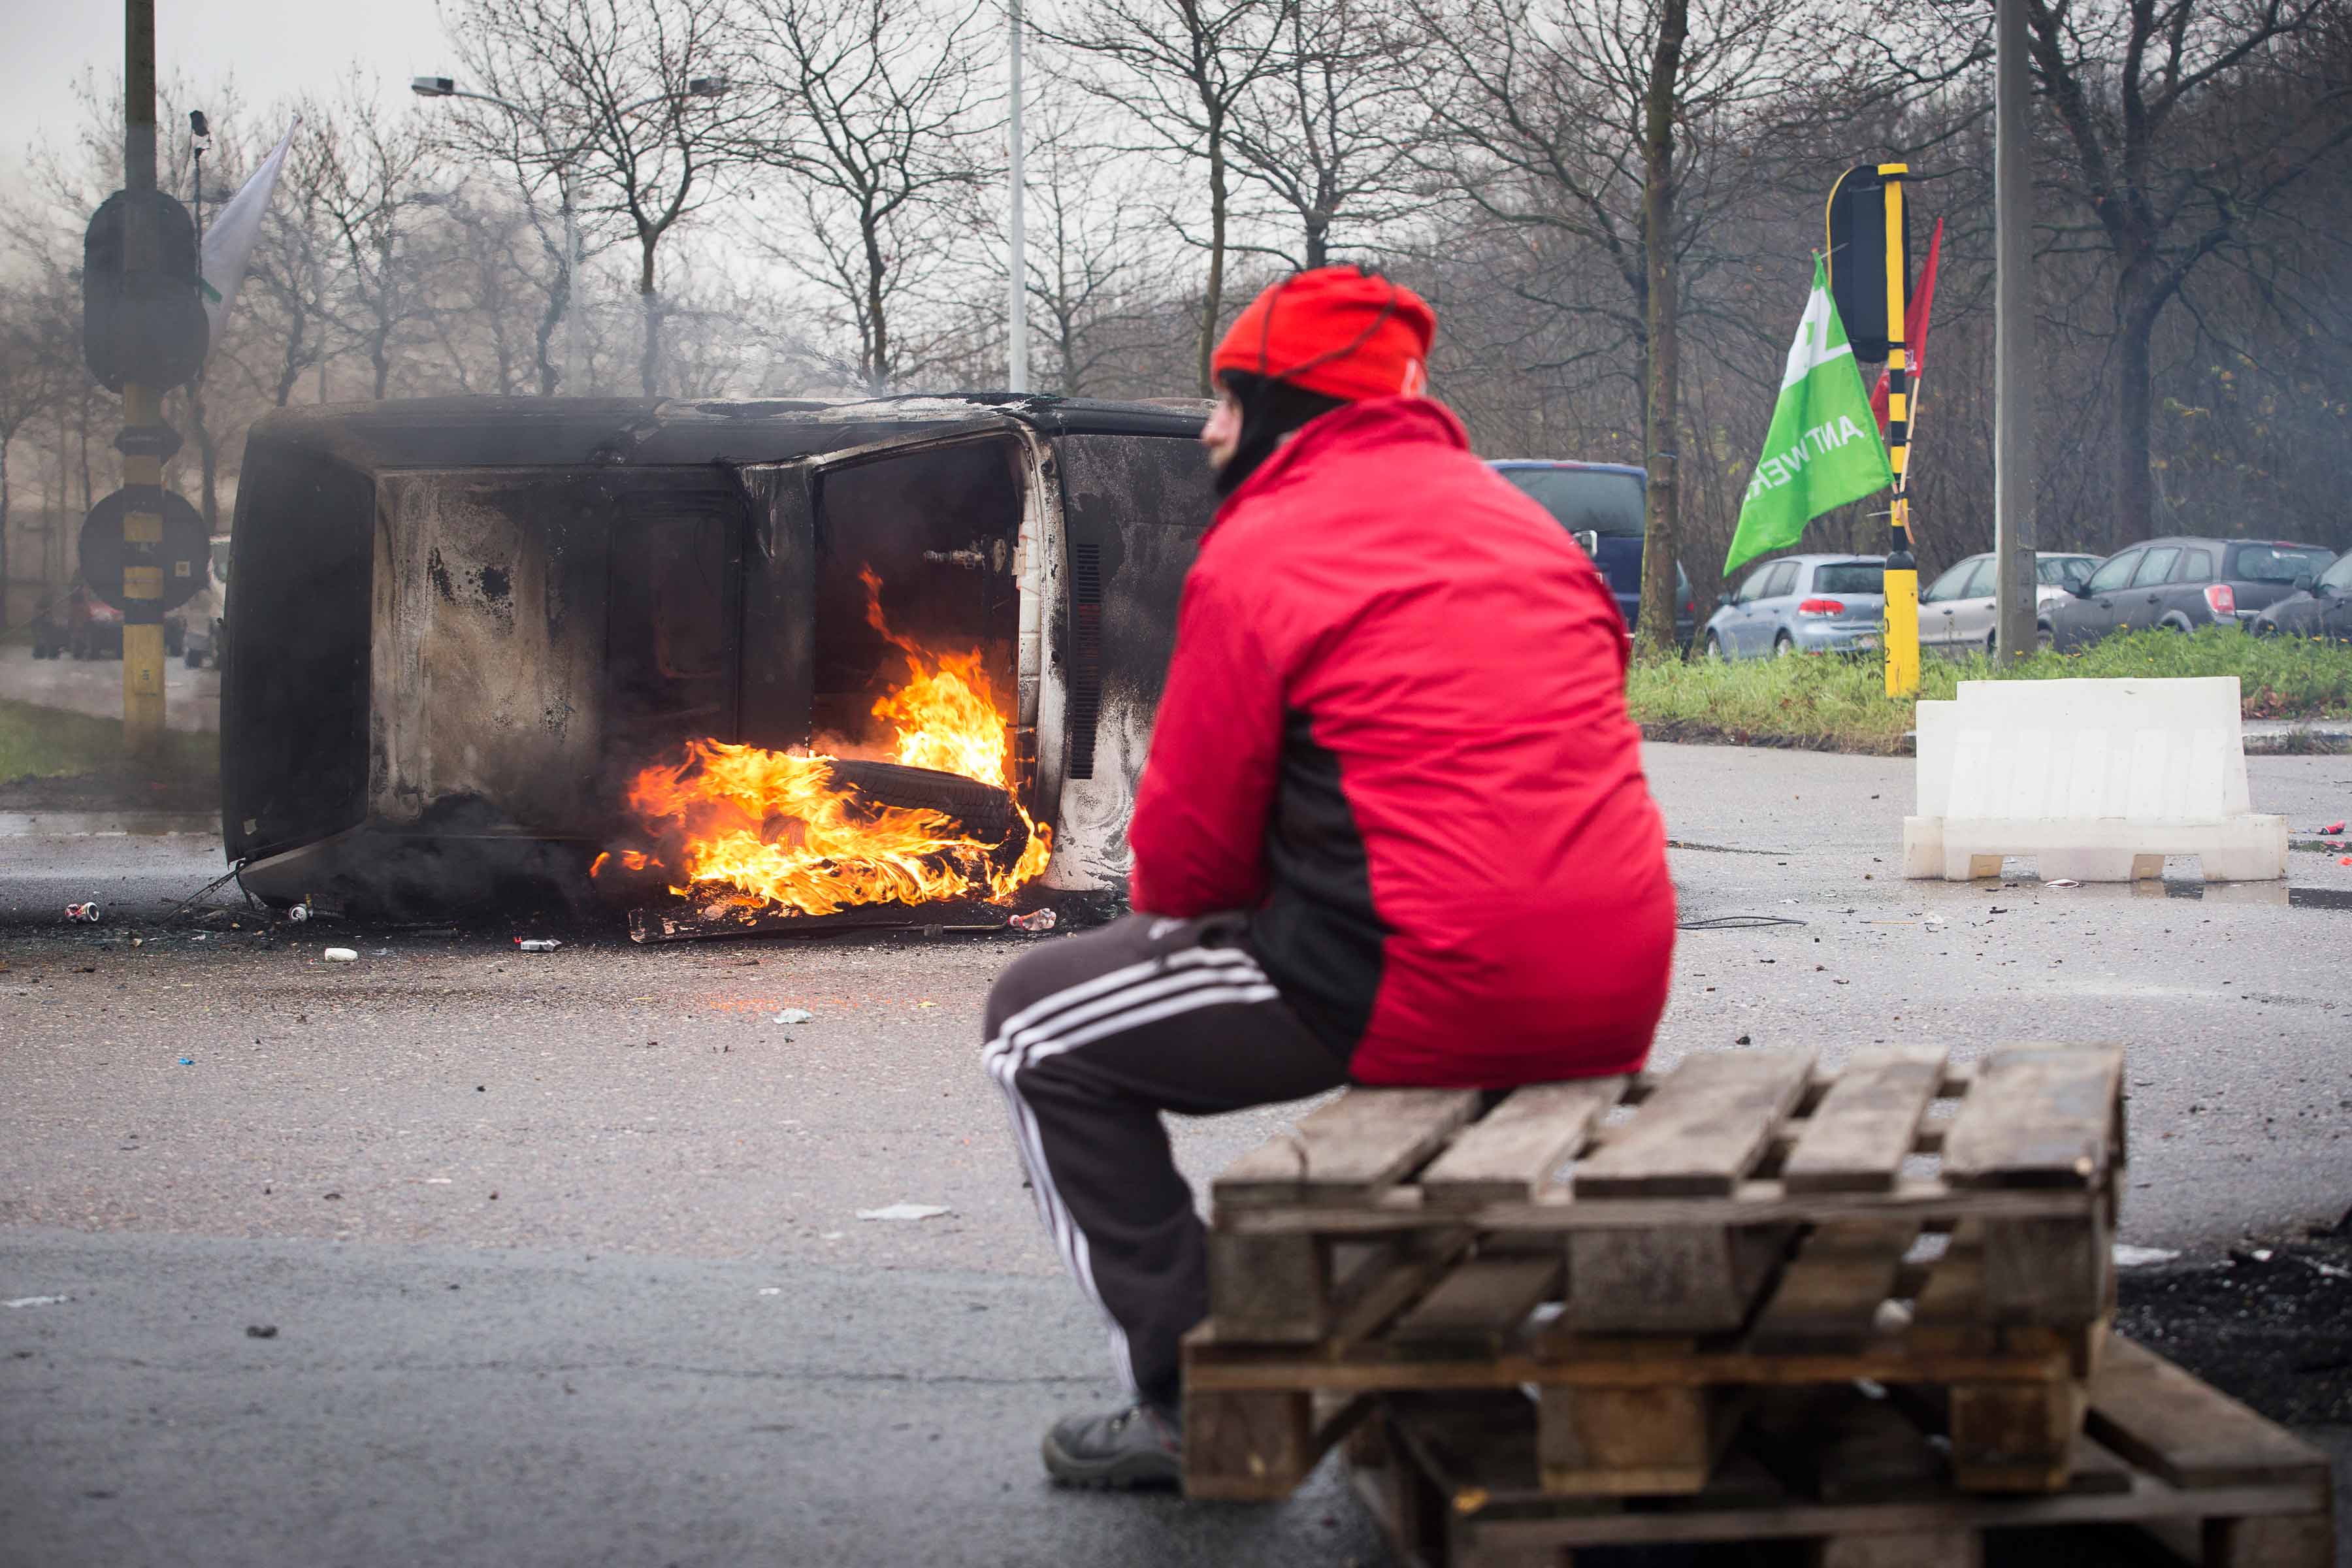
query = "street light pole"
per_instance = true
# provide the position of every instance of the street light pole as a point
(2013, 527)
(143, 441)
(575, 319)
(1017, 356)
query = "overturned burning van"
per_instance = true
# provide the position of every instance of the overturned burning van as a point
(754, 662)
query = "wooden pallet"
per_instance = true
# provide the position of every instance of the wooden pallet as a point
(1736, 1223)
(1455, 1480)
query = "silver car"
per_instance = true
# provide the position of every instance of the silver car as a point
(1800, 603)
(1956, 609)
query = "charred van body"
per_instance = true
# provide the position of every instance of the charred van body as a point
(464, 624)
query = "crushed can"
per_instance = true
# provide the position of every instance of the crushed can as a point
(537, 943)
(1035, 919)
(82, 914)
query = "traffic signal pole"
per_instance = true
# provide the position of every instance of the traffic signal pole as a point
(142, 438)
(1902, 576)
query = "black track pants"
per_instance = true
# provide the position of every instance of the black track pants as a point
(1091, 1038)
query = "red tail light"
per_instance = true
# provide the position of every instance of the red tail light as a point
(2221, 598)
(1821, 607)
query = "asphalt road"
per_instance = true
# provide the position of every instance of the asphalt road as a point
(612, 1153)
(191, 696)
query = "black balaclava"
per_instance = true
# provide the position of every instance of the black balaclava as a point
(1271, 409)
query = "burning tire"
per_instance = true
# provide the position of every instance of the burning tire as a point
(983, 810)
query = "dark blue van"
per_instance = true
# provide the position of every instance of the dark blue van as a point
(1601, 505)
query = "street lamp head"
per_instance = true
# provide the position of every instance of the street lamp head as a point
(707, 85)
(197, 126)
(432, 86)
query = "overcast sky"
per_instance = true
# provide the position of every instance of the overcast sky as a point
(272, 48)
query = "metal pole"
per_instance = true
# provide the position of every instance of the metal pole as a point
(2014, 529)
(1902, 575)
(575, 323)
(142, 406)
(1017, 370)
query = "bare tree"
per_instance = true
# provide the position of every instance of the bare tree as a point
(1327, 131)
(632, 96)
(1092, 281)
(876, 114)
(31, 378)
(2168, 179)
(1181, 70)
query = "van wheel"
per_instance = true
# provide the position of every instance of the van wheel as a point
(1782, 648)
(1713, 651)
(2045, 637)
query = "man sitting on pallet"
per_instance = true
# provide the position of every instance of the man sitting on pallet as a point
(1394, 828)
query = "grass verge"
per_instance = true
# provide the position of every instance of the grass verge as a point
(1841, 704)
(49, 743)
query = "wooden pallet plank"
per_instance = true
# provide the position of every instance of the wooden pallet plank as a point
(1484, 1302)
(1634, 1442)
(1512, 1152)
(1382, 1367)
(1678, 1280)
(2188, 1432)
(2014, 1437)
(1276, 1288)
(1829, 1295)
(1257, 1446)
(1858, 1138)
(1705, 1128)
(1347, 1151)
(2040, 1114)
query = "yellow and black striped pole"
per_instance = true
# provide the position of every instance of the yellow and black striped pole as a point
(1902, 634)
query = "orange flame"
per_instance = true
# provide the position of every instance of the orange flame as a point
(771, 829)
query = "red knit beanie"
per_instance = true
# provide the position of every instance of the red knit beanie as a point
(1338, 331)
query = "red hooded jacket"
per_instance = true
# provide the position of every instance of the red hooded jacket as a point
(1394, 730)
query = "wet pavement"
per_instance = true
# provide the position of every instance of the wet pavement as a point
(94, 687)
(612, 1151)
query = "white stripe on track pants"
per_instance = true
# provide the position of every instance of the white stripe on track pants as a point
(1091, 1038)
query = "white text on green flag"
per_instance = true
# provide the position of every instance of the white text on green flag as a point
(1823, 448)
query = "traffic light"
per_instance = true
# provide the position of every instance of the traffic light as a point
(142, 326)
(1860, 239)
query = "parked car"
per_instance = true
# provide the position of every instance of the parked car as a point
(1801, 604)
(2180, 585)
(1601, 505)
(1955, 610)
(80, 624)
(2320, 608)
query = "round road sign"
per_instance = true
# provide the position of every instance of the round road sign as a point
(153, 536)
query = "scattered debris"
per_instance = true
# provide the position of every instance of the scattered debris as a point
(37, 1302)
(1035, 919)
(772, 1290)
(187, 1061)
(261, 1330)
(536, 945)
(794, 1015)
(2062, 882)
(2129, 1257)
(82, 914)
(341, 955)
(905, 1210)
(2331, 830)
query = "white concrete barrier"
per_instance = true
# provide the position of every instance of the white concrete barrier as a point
(2097, 780)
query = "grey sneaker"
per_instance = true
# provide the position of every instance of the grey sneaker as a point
(1141, 1446)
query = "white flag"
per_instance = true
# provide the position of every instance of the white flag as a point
(228, 243)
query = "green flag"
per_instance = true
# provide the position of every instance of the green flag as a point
(1824, 449)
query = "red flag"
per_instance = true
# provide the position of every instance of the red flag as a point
(1914, 330)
